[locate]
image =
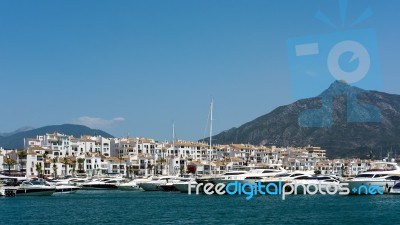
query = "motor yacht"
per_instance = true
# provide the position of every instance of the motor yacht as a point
(395, 189)
(35, 187)
(155, 184)
(66, 189)
(171, 184)
(183, 185)
(323, 182)
(230, 175)
(284, 177)
(382, 174)
(133, 185)
(106, 183)
(251, 176)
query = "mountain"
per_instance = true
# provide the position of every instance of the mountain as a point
(342, 139)
(25, 128)
(16, 140)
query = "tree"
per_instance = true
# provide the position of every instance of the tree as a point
(150, 167)
(191, 168)
(66, 162)
(342, 169)
(160, 162)
(55, 159)
(129, 171)
(119, 165)
(45, 157)
(39, 169)
(80, 165)
(22, 158)
(9, 162)
(132, 171)
(73, 166)
(181, 170)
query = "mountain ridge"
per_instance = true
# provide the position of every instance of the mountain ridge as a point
(21, 129)
(343, 139)
(16, 140)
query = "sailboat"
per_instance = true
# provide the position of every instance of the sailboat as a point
(208, 178)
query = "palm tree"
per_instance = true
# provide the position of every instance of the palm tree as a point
(119, 165)
(129, 171)
(66, 162)
(181, 170)
(73, 166)
(9, 162)
(161, 161)
(39, 169)
(45, 157)
(132, 171)
(150, 167)
(80, 165)
(55, 159)
(22, 158)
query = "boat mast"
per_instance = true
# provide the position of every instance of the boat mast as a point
(173, 140)
(173, 136)
(211, 121)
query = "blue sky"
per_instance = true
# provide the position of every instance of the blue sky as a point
(134, 66)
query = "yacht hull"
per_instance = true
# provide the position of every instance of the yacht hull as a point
(150, 187)
(98, 186)
(66, 190)
(34, 192)
(184, 187)
(130, 188)
(168, 187)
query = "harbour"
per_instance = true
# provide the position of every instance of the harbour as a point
(199, 112)
(381, 178)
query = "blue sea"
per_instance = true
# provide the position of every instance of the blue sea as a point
(123, 207)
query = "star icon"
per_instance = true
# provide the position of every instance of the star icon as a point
(354, 190)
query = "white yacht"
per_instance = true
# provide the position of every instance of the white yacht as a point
(155, 184)
(106, 183)
(251, 176)
(285, 177)
(324, 182)
(78, 181)
(2, 190)
(171, 184)
(183, 186)
(66, 188)
(395, 189)
(35, 187)
(133, 185)
(230, 175)
(258, 174)
(383, 174)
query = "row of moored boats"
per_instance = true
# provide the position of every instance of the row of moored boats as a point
(383, 174)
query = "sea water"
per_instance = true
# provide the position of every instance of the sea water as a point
(124, 207)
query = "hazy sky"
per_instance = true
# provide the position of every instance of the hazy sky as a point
(134, 66)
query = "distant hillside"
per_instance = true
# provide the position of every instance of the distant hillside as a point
(16, 140)
(26, 128)
(344, 139)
